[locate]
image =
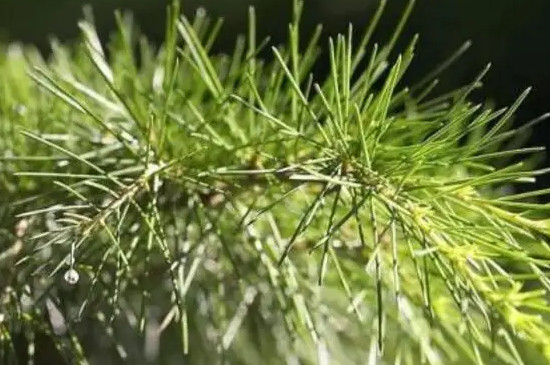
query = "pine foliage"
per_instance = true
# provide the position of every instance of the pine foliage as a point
(175, 206)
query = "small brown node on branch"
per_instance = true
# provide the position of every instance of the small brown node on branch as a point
(216, 196)
(255, 162)
(347, 168)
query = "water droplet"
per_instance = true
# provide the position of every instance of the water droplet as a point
(71, 276)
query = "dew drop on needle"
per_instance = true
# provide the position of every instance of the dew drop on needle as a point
(71, 276)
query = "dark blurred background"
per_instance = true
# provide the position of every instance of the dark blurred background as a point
(512, 34)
